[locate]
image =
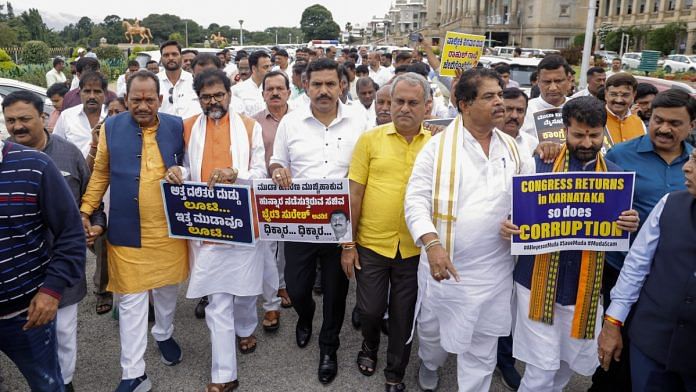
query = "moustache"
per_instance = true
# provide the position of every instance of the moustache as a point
(94, 101)
(513, 121)
(384, 113)
(20, 131)
(664, 134)
(323, 96)
(275, 97)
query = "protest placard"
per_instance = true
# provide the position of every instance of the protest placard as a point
(570, 211)
(219, 214)
(549, 125)
(309, 211)
(460, 51)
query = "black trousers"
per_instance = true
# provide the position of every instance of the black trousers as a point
(383, 279)
(300, 272)
(618, 378)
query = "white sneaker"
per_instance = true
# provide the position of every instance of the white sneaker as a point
(427, 379)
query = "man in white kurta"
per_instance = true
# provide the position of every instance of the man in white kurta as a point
(458, 194)
(222, 147)
(554, 84)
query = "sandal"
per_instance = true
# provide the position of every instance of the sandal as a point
(284, 298)
(247, 345)
(367, 360)
(226, 387)
(271, 321)
(105, 302)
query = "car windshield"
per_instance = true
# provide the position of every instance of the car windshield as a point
(521, 74)
(693, 59)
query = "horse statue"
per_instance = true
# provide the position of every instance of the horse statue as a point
(135, 29)
(218, 39)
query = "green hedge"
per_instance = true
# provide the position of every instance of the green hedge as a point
(35, 52)
(6, 63)
(36, 73)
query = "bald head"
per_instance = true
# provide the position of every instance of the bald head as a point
(383, 105)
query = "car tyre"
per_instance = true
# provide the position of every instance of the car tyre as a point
(668, 69)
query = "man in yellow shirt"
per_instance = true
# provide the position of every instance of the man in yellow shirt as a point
(384, 256)
(619, 93)
(135, 150)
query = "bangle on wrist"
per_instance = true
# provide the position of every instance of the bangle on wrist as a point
(613, 321)
(432, 243)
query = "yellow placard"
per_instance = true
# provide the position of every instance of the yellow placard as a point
(460, 51)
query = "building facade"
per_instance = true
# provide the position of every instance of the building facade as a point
(545, 24)
(650, 13)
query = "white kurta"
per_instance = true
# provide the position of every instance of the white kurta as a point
(223, 268)
(481, 301)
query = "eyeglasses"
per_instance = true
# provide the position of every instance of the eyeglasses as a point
(205, 98)
(171, 95)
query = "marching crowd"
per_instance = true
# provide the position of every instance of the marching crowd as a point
(430, 207)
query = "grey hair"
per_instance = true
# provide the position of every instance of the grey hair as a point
(413, 79)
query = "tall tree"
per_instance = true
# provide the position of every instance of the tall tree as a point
(317, 23)
(34, 25)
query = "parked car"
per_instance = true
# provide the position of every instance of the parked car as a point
(631, 60)
(521, 68)
(143, 57)
(679, 63)
(607, 56)
(664, 84)
(8, 86)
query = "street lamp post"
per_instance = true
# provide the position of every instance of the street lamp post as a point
(290, 38)
(241, 33)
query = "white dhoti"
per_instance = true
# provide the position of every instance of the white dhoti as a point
(549, 348)
(465, 319)
(271, 278)
(232, 278)
(66, 338)
(224, 324)
(133, 309)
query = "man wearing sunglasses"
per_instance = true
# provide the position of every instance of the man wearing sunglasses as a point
(176, 85)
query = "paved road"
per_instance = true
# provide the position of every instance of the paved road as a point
(276, 365)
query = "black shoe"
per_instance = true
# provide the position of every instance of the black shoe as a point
(151, 313)
(200, 308)
(400, 387)
(69, 387)
(328, 367)
(355, 318)
(302, 335)
(385, 326)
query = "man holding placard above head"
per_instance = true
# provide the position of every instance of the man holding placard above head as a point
(543, 118)
(222, 147)
(558, 309)
(462, 180)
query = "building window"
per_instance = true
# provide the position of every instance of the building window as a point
(596, 14)
(656, 5)
(561, 42)
(670, 5)
(641, 6)
(618, 7)
(629, 9)
(529, 41)
(565, 10)
(688, 4)
(530, 12)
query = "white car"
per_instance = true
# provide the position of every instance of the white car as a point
(631, 60)
(680, 63)
(8, 86)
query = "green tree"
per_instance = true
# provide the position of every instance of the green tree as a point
(113, 30)
(35, 52)
(666, 39)
(317, 23)
(34, 24)
(8, 36)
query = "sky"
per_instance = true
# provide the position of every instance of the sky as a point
(257, 16)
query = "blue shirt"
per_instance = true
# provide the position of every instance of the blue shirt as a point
(637, 266)
(654, 178)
